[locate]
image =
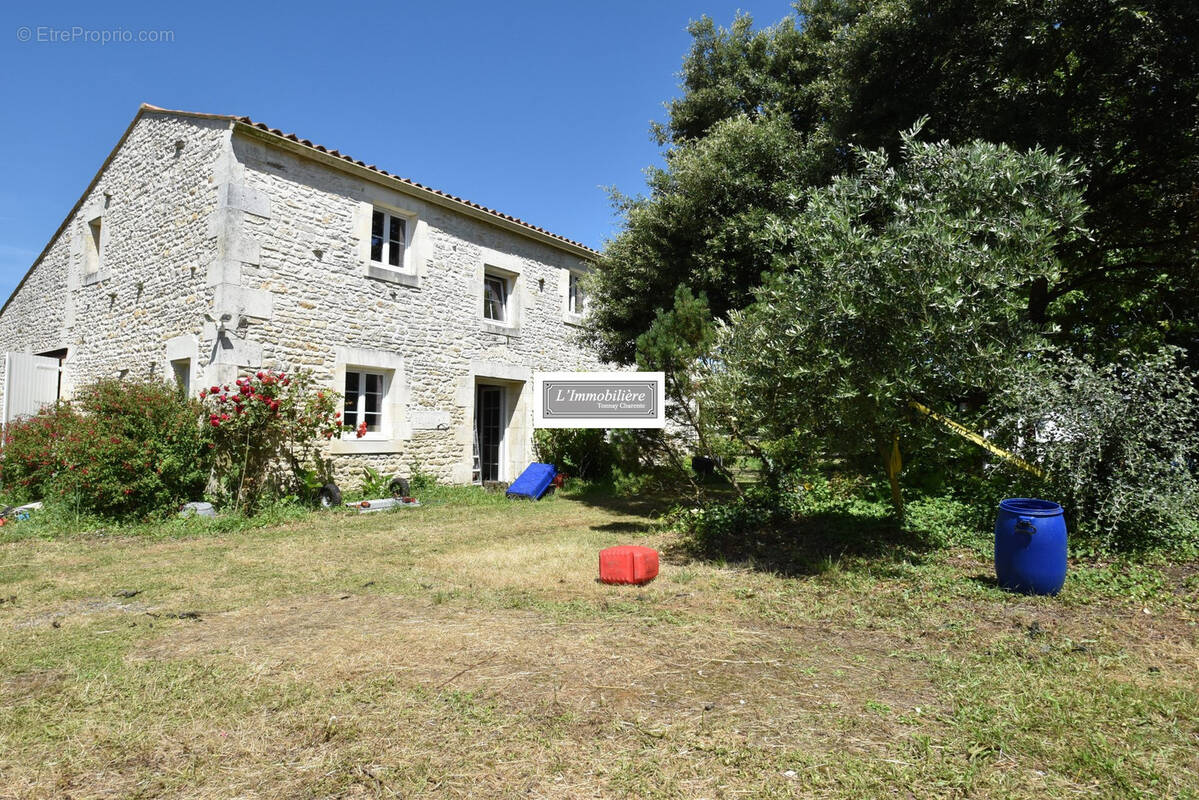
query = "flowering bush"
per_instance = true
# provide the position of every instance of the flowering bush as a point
(32, 455)
(264, 427)
(119, 449)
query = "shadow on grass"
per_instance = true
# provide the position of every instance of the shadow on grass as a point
(987, 581)
(601, 495)
(862, 538)
(816, 544)
(623, 527)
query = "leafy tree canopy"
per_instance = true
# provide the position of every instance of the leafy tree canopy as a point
(767, 113)
(715, 206)
(903, 283)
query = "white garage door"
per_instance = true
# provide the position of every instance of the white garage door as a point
(30, 382)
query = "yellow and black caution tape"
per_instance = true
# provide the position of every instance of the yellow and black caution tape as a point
(894, 464)
(978, 439)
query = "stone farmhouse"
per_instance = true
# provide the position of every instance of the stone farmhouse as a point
(210, 245)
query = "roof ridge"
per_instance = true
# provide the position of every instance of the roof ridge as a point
(243, 120)
(262, 126)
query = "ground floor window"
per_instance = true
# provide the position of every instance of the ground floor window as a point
(364, 399)
(183, 375)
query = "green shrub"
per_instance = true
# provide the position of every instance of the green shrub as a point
(947, 520)
(580, 452)
(1120, 444)
(119, 449)
(626, 483)
(730, 528)
(418, 479)
(375, 483)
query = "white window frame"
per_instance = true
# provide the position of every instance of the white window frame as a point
(386, 378)
(508, 283)
(574, 290)
(395, 423)
(507, 267)
(384, 260)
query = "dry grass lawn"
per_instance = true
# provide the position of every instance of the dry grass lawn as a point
(466, 650)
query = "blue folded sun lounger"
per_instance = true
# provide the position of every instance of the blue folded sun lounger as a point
(533, 482)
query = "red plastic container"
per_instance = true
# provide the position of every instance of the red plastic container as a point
(628, 564)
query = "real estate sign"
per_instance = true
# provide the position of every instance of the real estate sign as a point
(599, 400)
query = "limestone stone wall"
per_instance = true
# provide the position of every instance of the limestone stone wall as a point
(329, 309)
(234, 250)
(153, 199)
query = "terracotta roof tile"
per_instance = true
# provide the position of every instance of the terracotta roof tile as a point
(321, 148)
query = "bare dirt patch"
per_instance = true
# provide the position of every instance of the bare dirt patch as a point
(506, 703)
(517, 657)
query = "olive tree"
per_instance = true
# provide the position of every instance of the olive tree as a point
(906, 280)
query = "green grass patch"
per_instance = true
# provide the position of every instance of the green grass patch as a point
(464, 648)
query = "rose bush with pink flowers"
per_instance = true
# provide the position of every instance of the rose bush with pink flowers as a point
(263, 426)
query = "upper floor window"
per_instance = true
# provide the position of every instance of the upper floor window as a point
(495, 297)
(364, 400)
(389, 238)
(93, 252)
(576, 298)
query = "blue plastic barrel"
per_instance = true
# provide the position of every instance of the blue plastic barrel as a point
(1030, 546)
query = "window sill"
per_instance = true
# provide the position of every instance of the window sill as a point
(92, 278)
(392, 275)
(578, 320)
(500, 329)
(365, 446)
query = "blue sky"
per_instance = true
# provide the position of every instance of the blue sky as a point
(527, 107)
